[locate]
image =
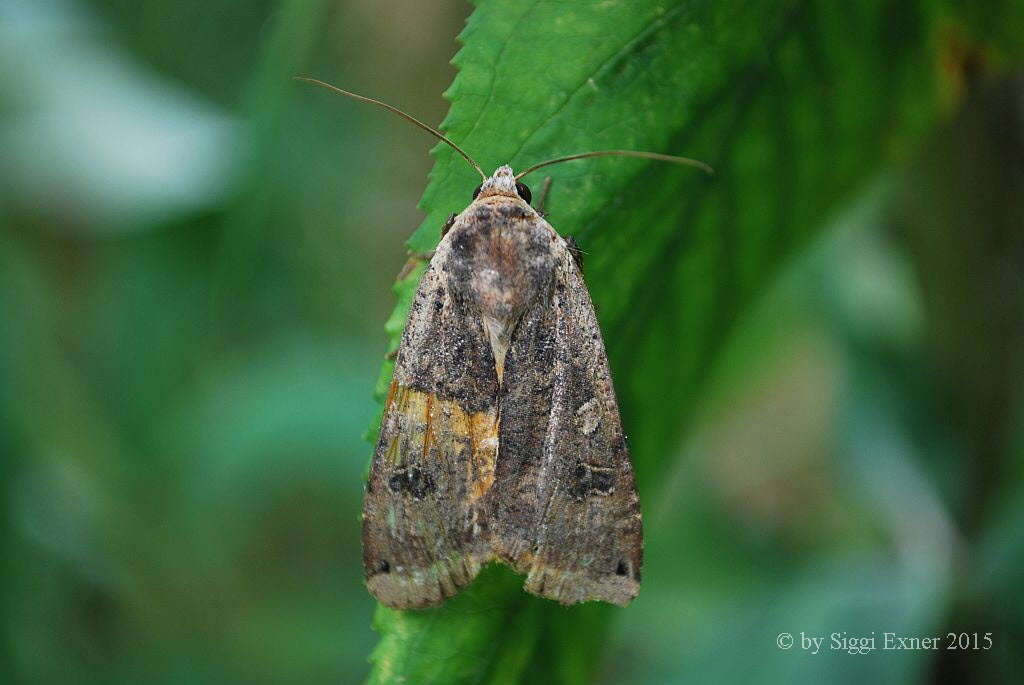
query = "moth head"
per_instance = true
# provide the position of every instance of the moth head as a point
(503, 182)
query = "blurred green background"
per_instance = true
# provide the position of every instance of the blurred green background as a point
(196, 262)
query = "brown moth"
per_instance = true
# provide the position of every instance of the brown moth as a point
(501, 438)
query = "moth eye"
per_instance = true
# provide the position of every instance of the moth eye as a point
(477, 191)
(524, 192)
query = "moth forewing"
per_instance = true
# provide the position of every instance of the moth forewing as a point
(419, 525)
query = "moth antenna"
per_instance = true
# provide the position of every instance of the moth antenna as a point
(621, 153)
(395, 110)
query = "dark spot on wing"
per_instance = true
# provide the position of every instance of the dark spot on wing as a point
(415, 481)
(420, 483)
(587, 480)
(602, 480)
(579, 483)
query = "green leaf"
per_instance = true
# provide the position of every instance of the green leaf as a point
(791, 109)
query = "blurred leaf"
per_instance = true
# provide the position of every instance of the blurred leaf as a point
(250, 417)
(792, 111)
(960, 214)
(247, 224)
(1001, 22)
(91, 130)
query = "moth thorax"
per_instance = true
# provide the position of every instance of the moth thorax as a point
(514, 266)
(507, 268)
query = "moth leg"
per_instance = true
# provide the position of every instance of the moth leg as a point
(575, 251)
(412, 262)
(542, 200)
(448, 224)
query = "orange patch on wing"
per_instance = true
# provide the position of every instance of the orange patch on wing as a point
(392, 389)
(426, 430)
(426, 422)
(483, 426)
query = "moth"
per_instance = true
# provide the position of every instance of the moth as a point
(501, 438)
